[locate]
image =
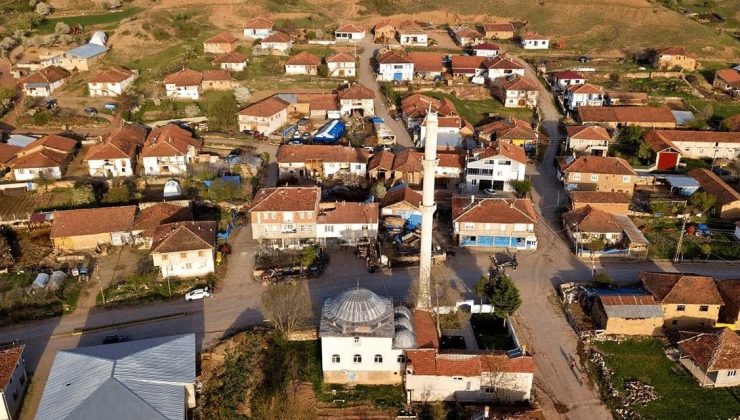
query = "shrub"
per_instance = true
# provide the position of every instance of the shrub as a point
(43, 9)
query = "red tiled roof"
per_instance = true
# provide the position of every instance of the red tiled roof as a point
(346, 213)
(432, 363)
(599, 197)
(715, 186)
(534, 35)
(729, 289)
(81, 222)
(230, 57)
(588, 132)
(586, 88)
(568, 75)
(600, 165)
(502, 63)
(383, 160)
(184, 236)
(349, 27)
(713, 351)
(152, 217)
(356, 91)
(508, 129)
(408, 160)
(115, 74)
(621, 300)
(340, 58)
(730, 76)
(277, 37)
(49, 151)
(486, 46)
(184, 77)
(303, 58)
(451, 160)
(591, 220)
(9, 359)
(426, 61)
(393, 57)
(677, 136)
(625, 114)
(265, 108)
(498, 27)
(516, 82)
(417, 105)
(287, 199)
(259, 22)
(425, 330)
(222, 38)
(505, 149)
(493, 210)
(49, 74)
(672, 51)
(401, 194)
(290, 153)
(460, 62)
(169, 140)
(465, 32)
(216, 75)
(319, 101)
(7, 152)
(681, 288)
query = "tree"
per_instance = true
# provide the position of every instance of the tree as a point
(523, 188)
(602, 280)
(43, 9)
(481, 287)
(222, 111)
(61, 28)
(702, 201)
(597, 243)
(242, 95)
(84, 194)
(504, 296)
(613, 80)
(323, 70)
(288, 306)
(378, 190)
(630, 135)
(645, 152)
(117, 194)
(309, 256)
(221, 190)
(192, 111)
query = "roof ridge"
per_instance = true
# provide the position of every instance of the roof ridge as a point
(137, 395)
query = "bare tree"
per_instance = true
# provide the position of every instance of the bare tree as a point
(288, 306)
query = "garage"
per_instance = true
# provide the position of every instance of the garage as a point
(485, 184)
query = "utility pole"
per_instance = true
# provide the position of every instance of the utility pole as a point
(100, 282)
(679, 254)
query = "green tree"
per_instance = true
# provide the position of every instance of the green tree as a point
(82, 195)
(645, 152)
(378, 190)
(630, 135)
(602, 280)
(222, 112)
(117, 194)
(504, 296)
(596, 243)
(481, 287)
(523, 188)
(323, 70)
(221, 191)
(702, 201)
(309, 255)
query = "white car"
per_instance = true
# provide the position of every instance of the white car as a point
(489, 191)
(197, 294)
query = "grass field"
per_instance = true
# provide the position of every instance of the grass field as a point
(89, 20)
(476, 110)
(679, 396)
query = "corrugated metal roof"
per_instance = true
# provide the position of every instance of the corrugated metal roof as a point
(130, 380)
(681, 181)
(633, 233)
(87, 50)
(633, 311)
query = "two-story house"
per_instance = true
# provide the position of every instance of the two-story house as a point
(341, 65)
(467, 66)
(220, 44)
(303, 63)
(231, 61)
(184, 84)
(13, 381)
(258, 27)
(562, 80)
(516, 91)
(508, 130)
(589, 139)
(111, 82)
(495, 167)
(264, 116)
(466, 37)
(427, 65)
(535, 41)
(45, 81)
(688, 300)
(394, 66)
(583, 95)
(674, 58)
(320, 162)
(349, 32)
(185, 249)
(116, 155)
(494, 223)
(356, 98)
(284, 217)
(410, 34)
(586, 223)
(45, 157)
(502, 66)
(598, 173)
(347, 223)
(169, 150)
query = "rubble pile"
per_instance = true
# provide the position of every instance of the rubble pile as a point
(637, 393)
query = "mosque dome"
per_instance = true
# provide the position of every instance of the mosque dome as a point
(359, 306)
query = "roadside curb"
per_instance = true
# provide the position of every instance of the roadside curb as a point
(80, 331)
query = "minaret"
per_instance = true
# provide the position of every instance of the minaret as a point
(428, 207)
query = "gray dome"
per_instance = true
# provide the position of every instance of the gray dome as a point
(403, 339)
(404, 322)
(359, 305)
(403, 311)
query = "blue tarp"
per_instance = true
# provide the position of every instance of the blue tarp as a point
(330, 133)
(376, 120)
(234, 179)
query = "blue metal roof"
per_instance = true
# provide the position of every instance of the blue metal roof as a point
(87, 51)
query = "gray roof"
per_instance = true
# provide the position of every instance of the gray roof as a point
(21, 140)
(87, 51)
(681, 181)
(633, 311)
(141, 379)
(357, 312)
(631, 230)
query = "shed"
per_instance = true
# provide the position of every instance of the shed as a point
(172, 189)
(628, 314)
(682, 184)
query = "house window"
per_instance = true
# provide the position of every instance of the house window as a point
(201, 253)
(680, 308)
(457, 378)
(576, 176)
(704, 308)
(505, 162)
(335, 358)
(594, 177)
(378, 358)
(188, 266)
(328, 228)
(469, 226)
(183, 255)
(488, 390)
(357, 358)
(401, 358)
(626, 179)
(674, 322)
(731, 372)
(357, 340)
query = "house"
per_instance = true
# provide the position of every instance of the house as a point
(610, 202)
(627, 314)
(667, 154)
(258, 28)
(356, 97)
(502, 66)
(688, 300)
(727, 80)
(111, 82)
(498, 30)
(303, 63)
(320, 161)
(674, 58)
(410, 34)
(116, 155)
(44, 82)
(347, 223)
(183, 84)
(216, 80)
(285, 216)
(264, 116)
(622, 116)
(729, 290)
(169, 150)
(583, 95)
(496, 167)
(341, 65)
(220, 44)
(494, 223)
(414, 108)
(380, 167)
(562, 80)
(404, 203)
(427, 65)
(152, 378)
(727, 204)
(466, 37)
(586, 224)
(535, 41)
(278, 43)
(713, 358)
(515, 91)
(406, 166)
(153, 215)
(394, 66)
(467, 66)
(486, 49)
(184, 249)
(317, 106)
(86, 229)
(696, 144)
(349, 32)
(384, 32)
(83, 57)
(589, 139)
(509, 129)
(46, 157)
(13, 381)
(231, 61)
(7, 152)
(598, 173)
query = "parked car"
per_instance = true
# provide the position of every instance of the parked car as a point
(724, 174)
(110, 106)
(197, 294)
(112, 339)
(489, 191)
(295, 142)
(91, 111)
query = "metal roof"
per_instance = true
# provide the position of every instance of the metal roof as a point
(629, 227)
(633, 311)
(357, 312)
(681, 181)
(123, 381)
(87, 51)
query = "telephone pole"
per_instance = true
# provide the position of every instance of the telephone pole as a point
(679, 254)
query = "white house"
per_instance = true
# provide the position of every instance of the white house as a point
(320, 161)
(496, 167)
(116, 155)
(695, 144)
(45, 81)
(486, 49)
(589, 139)
(341, 65)
(394, 66)
(356, 97)
(169, 150)
(562, 80)
(13, 381)
(184, 249)
(502, 66)
(111, 82)
(184, 84)
(47, 157)
(494, 223)
(303, 63)
(583, 95)
(277, 42)
(516, 91)
(535, 41)
(349, 33)
(264, 116)
(465, 36)
(410, 34)
(258, 28)
(232, 61)
(347, 223)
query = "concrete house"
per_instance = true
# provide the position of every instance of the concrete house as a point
(47, 156)
(265, 116)
(303, 63)
(232, 61)
(184, 249)
(356, 98)
(216, 80)
(583, 95)
(494, 223)
(184, 84)
(278, 43)
(258, 27)
(589, 139)
(674, 58)
(111, 82)
(85, 229)
(394, 66)
(713, 358)
(495, 167)
(727, 80)
(502, 66)
(585, 224)
(498, 30)
(153, 215)
(220, 44)
(169, 150)
(410, 34)
(285, 217)
(628, 314)
(598, 173)
(341, 65)
(13, 381)
(727, 205)
(347, 223)
(349, 32)
(621, 116)
(516, 91)
(696, 144)
(688, 300)
(562, 80)
(403, 202)
(44, 82)
(466, 37)
(320, 161)
(535, 41)
(414, 108)
(427, 65)
(116, 155)
(486, 49)
(508, 130)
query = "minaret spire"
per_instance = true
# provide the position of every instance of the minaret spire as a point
(428, 207)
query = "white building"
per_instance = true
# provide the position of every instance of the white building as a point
(410, 34)
(494, 223)
(502, 66)
(695, 144)
(184, 249)
(320, 161)
(583, 95)
(465, 36)
(589, 139)
(258, 28)
(47, 157)
(231, 61)
(303, 63)
(347, 223)
(486, 49)
(13, 381)
(184, 84)
(116, 155)
(265, 116)
(169, 150)
(356, 98)
(496, 167)
(111, 82)
(45, 81)
(516, 91)
(562, 80)
(349, 33)
(277, 42)
(535, 41)
(393, 66)
(341, 65)
(363, 338)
